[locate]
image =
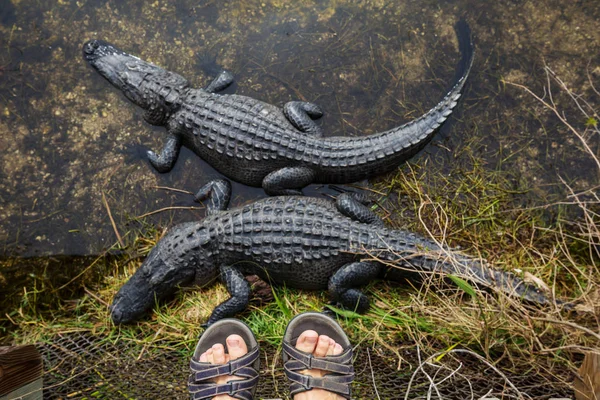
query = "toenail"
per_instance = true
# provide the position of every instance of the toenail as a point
(233, 342)
(311, 339)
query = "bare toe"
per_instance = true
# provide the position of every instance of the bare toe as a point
(307, 341)
(203, 357)
(322, 346)
(209, 356)
(337, 349)
(331, 347)
(236, 346)
(219, 354)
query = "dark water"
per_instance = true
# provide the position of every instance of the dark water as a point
(68, 138)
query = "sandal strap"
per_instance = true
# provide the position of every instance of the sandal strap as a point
(339, 364)
(238, 388)
(200, 386)
(203, 371)
(341, 371)
(339, 384)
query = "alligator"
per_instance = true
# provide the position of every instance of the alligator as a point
(258, 144)
(301, 242)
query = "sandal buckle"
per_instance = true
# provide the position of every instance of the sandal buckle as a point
(310, 359)
(234, 387)
(307, 382)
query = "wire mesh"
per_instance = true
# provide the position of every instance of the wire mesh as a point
(85, 366)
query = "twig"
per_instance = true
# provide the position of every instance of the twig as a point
(139, 357)
(572, 348)
(465, 351)
(172, 189)
(82, 272)
(112, 221)
(167, 209)
(98, 299)
(553, 108)
(571, 324)
(372, 374)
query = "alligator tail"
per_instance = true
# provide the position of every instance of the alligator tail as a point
(407, 139)
(428, 257)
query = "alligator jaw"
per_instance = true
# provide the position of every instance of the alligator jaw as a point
(134, 299)
(122, 70)
(152, 282)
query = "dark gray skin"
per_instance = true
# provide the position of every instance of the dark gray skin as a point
(258, 144)
(300, 242)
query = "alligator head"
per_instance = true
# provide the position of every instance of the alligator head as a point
(179, 258)
(152, 88)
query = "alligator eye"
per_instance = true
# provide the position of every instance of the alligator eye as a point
(133, 66)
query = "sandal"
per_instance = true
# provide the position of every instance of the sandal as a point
(200, 382)
(339, 368)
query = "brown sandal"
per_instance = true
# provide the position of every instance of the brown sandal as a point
(340, 370)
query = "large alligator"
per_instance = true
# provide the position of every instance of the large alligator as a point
(301, 242)
(258, 144)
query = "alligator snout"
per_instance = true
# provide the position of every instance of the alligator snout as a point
(91, 46)
(92, 50)
(95, 49)
(116, 315)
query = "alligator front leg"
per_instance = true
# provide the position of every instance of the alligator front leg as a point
(221, 82)
(288, 181)
(218, 194)
(238, 288)
(168, 155)
(301, 114)
(343, 284)
(353, 205)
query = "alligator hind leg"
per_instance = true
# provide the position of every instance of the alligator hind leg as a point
(343, 283)
(238, 288)
(221, 82)
(353, 205)
(301, 114)
(218, 194)
(288, 181)
(168, 155)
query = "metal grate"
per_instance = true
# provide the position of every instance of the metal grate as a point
(83, 366)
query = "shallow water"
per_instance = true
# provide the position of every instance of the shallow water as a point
(68, 139)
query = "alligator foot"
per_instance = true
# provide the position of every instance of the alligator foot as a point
(218, 194)
(168, 155)
(287, 181)
(343, 283)
(238, 288)
(301, 114)
(354, 205)
(221, 82)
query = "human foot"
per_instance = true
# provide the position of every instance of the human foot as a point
(317, 357)
(225, 369)
(236, 347)
(319, 346)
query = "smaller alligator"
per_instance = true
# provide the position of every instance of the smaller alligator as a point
(256, 143)
(300, 242)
